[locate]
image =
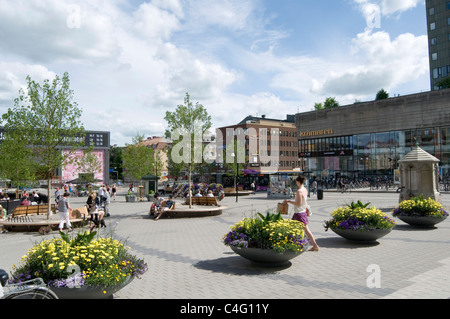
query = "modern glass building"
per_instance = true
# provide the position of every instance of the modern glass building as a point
(368, 139)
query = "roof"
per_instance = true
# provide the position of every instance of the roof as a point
(159, 142)
(289, 119)
(419, 155)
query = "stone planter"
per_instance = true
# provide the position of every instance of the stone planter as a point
(130, 198)
(361, 236)
(89, 292)
(266, 257)
(421, 221)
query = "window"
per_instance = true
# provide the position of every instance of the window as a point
(448, 5)
(434, 41)
(434, 56)
(433, 26)
(431, 11)
(435, 73)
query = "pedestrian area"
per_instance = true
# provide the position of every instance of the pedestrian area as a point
(187, 259)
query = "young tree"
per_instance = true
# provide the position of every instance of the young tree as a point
(138, 159)
(236, 165)
(89, 164)
(187, 125)
(43, 121)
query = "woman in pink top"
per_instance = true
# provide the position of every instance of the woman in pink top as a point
(300, 214)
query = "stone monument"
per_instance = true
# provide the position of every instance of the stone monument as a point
(419, 175)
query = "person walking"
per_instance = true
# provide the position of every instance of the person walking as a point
(64, 209)
(300, 205)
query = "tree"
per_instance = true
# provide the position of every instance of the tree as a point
(89, 164)
(444, 84)
(43, 121)
(330, 102)
(381, 95)
(236, 166)
(187, 125)
(138, 159)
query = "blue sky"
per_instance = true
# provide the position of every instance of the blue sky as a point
(130, 61)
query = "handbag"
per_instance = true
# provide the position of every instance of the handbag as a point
(282, 208)
(308, 211)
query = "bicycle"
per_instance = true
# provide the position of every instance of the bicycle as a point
(30, 289)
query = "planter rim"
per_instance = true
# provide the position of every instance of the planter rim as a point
(267, 257)
(362, 236)
(424, 221)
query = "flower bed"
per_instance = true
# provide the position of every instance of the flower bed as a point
(78, 262)
(267, 232)
(359, 217)
(420, 207)
(182, 190)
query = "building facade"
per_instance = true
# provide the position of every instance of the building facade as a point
(271, 154)
(368, 139)
(438, 25)
(99, 142)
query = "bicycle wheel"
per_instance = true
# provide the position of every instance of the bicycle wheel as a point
(37, 293)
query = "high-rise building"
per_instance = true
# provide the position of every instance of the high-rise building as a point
(438, 25)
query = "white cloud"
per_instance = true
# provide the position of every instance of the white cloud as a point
(382, 63)
(152, 22)
(231, 14)
(54, 31)
(130, 61)
(396, 6)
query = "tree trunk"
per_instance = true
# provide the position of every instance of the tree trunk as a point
(189, 187)
(49, 185)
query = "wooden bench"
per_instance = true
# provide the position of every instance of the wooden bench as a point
(32, 210)
(203, 201)
(79, 213)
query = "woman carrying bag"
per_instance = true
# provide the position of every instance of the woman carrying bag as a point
(300, 209)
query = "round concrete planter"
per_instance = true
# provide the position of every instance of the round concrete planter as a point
(89, 292)
(361, 236)
(130, 198)
(266, 257)
(421, 221)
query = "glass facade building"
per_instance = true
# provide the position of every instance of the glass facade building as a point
(368, 139)
(371, 154)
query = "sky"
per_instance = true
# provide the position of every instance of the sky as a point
(130, 61)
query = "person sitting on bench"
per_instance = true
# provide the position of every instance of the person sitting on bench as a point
(166, 206)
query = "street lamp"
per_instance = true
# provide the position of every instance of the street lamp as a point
(235, 175)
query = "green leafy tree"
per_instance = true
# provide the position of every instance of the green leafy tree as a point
(43, 121)
(330, 102)
(138, 159)
(186, 127)
(236, 166)
(382, 94)
(444, 84)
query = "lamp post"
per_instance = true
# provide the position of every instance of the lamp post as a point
(235, 175)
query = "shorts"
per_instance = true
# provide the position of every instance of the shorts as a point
(301, 217)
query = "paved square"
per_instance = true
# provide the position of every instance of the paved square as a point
(187, 260)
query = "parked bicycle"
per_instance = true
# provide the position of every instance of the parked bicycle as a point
(30, 289)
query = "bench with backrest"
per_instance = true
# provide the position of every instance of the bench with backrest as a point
(202, 201)
(32, 210)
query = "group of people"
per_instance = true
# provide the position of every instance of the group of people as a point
(199, 194)
(97, 205)
(161, 205)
